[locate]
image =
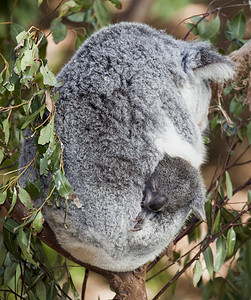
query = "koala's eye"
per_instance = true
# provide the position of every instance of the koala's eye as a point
(157, 203)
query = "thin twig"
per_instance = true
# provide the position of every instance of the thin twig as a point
(84, 284)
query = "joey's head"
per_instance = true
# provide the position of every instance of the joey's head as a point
(202, 65)
(173, 185)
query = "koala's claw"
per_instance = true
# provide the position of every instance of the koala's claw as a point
(139, 222)
(137, 227)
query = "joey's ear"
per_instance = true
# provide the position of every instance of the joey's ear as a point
(206, 63)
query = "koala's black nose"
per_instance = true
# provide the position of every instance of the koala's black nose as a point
(157, 203)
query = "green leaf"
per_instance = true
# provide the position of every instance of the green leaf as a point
(3, 250)
(249, 196)
(9, 237)
(55, 158)
(32, 117)
(41, 290)
(6, 129)
(208, 256)
(77, 17)
(9, 273)
(197, 273)
(24, 246)
(46, 134)
(237, 27)
(221, 252)
(52, 292)
(79, 41)
(190, 26)
(64, 9)
(229, 185)
(73, 288)
(33, 188)
(15, 29)
(117, 3)
(212, 29)
(248, 257)
(14, 200)
(231, 241)
(38, 222)
(62, 184)
(21, 36)
(249, 132)
(174, 284)
(27, 59)
(40, 2)
(216, 222)
(45, 161)
(101, 13)
(48, 77)
(3, 196)
(24, 197)
(58, 30)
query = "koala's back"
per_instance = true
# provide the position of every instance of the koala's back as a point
(119, 91)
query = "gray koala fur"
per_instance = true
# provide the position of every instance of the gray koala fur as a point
(130, 96)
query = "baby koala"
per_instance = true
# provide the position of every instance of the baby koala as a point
(173, 185)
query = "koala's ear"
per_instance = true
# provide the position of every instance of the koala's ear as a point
(207, 63)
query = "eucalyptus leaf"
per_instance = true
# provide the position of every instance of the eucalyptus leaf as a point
(46, 134)
(62, 184)
(101, 13)
(64, 9)
(231, 241)
(216, 222)
(117, 3)
(48, 77)
(38, 222)
(197, 273)
(24, 197)
(10, 272)
(58, 30)
(221, 252)
(6, 129)
(236, 27)
(41, 290)
(229, 186)
(3, 196)
(77, 17)
(33, 116)
(33, 188)
(21, 36)
(27, 59)
(3, 250)
(14, 200)
(208, 256)
(24, 246)
(15, 29)
(248, 257)
(40, 2)
(212, 29)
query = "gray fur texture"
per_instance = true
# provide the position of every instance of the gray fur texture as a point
(130, 96)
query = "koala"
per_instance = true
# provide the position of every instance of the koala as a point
(173, 184)
(132, 107)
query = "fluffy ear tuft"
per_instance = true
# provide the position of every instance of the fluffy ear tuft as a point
(207, 63)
